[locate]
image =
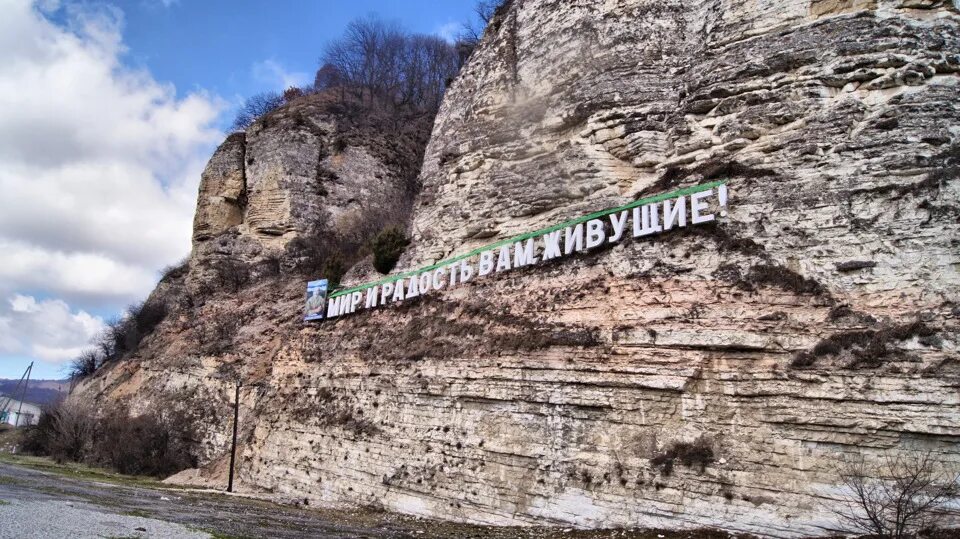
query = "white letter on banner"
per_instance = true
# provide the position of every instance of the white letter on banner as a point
(398, 290)
(372, 294)
(646, 220)
(355, 300)
(619, 223)
(486, 263)
(385, 292)
(675, 213)
(503, 261)
(573, 239)
(595, 233)
(437, 283)
(551, 245)
(333, 306)
(424, 282)
(466, 271)
(523, 254)
(412, 289)
(453, 275)
(696, 206)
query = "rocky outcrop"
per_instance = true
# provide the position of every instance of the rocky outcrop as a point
(548, 395)
(712, 376)
(317, 166)
(222, 190)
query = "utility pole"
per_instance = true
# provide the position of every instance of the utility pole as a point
(23, 394)
(233, 447)
(4, 408)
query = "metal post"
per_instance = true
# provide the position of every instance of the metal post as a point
(233, 447)
(4, 411)
(23, 395)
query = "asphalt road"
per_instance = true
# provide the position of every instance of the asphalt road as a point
(35, 503)
(40, 504)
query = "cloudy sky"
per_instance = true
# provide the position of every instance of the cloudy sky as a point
(108, 113)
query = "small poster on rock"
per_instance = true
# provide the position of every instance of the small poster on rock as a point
(316, 300)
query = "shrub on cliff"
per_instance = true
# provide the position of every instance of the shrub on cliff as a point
(231, 275)
(84, 365)
(215, 330)
(121, 336)
(321, 255)
(175, 271)
(472, 31)
(699, 454)
(387, 246)
(254, 107)
(124, 335)
(867, 348)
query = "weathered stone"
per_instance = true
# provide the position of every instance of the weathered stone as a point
(222, 191)
(545, 395)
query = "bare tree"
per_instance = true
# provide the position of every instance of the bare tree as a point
(471, 32)
(378, 63)
(483, 12)
(84, 365)
(896, 497)
(328, 76)
(71, 427)
(254, 107)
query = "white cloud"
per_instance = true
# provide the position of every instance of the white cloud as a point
(90, 278)
(99, 166)
(449, 31)
(47, 330)
(274, 75)
(99, 163)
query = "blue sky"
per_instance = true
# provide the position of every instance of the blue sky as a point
(108, 113)
(238, 48)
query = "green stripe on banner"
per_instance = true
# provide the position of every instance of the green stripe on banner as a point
(527, 235)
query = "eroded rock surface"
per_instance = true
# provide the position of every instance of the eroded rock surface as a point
(817, 321)
(313, 165)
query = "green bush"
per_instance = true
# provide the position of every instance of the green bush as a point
(387, 247)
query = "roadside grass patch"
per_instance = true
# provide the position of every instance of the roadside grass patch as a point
(78, 471)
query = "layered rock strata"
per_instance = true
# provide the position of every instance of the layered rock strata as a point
(704, 377)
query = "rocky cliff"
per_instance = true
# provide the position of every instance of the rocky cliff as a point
(714, 376)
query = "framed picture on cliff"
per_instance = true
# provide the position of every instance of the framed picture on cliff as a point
(316, 300)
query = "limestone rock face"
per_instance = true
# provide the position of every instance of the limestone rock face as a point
(816, 322)
(313, 167)
(548, 394)
(222, 190)
(568, 108)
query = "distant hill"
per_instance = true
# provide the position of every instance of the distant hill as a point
(38, 391)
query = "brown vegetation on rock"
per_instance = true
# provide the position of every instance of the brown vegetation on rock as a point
(698, 453)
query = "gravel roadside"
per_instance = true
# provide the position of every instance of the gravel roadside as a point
(33, 519)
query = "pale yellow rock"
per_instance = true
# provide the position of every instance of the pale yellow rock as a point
(544, 396)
